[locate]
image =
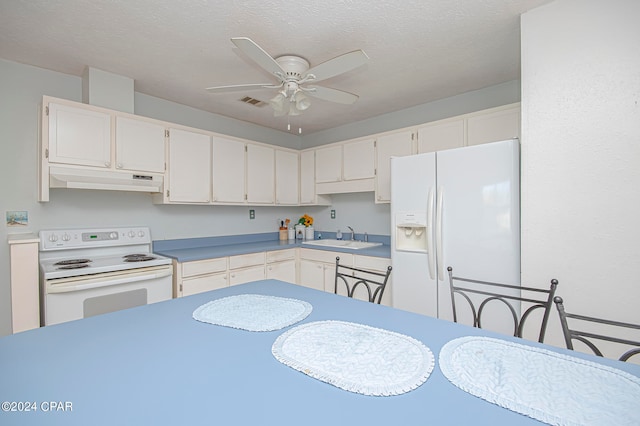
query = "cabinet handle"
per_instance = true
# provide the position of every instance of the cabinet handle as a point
(119, 166)
(107, 163)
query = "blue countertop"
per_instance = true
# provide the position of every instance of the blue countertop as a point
(190, 249)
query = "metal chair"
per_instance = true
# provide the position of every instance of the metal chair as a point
(571, 334)
(374, 282)
(500, 292)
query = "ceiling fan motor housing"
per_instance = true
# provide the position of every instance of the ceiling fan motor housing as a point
(293, 66)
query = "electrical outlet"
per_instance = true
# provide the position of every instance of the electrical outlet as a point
(252, 214)
(333, 214)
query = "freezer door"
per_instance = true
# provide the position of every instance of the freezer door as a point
(414, 286)
(479, 191)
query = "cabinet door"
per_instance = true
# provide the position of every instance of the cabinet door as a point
(286, 177)
(441, 136)
(494, 126)
(358, 160)
(79, 136)
(203, 283)
(311, 274)
(379, 265)
(283, 271)
(241, 276)
(329, 164)
(139, 145)
(189, 167)
(387, 146)
(260, 174)
(228, 170)
(307, 177)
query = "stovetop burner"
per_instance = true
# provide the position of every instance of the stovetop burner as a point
(74, 266)
(72, 262)
(138, 257)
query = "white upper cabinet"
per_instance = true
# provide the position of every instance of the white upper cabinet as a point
(189, 172)
(345, 167)
(441, 135)
(79, 135)
(286, 177)
(498, 125)
(392, 145)
(228, 170)
(329, 164)
(260, 174)
(359, 160)
(139, 145)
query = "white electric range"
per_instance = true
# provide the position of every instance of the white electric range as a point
(87, 272)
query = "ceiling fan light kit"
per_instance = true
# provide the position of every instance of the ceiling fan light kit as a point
(293, 73)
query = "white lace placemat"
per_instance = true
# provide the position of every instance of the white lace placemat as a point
(545, 385)
(253, 312)
(356, 357)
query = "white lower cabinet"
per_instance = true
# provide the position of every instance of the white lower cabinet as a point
(245, 268)
(318, 268)
(281, 265)
(378, 265)
(199, 276)
(315, 269)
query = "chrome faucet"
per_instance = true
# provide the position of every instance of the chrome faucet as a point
(353, 233)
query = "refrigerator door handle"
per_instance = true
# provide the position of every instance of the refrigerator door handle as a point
(431, 254)
(439, 256)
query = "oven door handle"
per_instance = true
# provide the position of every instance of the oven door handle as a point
(76, 285)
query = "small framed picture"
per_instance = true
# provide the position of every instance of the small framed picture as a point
(17, 218)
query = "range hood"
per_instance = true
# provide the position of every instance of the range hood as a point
(68, 177)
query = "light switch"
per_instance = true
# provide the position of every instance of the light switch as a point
(252, 214)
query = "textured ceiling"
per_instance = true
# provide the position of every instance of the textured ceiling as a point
(419, 50)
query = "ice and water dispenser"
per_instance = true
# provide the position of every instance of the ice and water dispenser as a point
(411, 231)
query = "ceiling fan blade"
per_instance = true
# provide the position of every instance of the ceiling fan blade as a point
(332, 95)
(257, 54)
(241, 87)
(338, 65)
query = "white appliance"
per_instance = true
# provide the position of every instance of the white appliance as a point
(457, 208)
(87, 272)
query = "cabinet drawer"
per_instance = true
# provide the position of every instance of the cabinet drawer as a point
(201, 267)
(280, 255)
(326, 256)
(244, 260)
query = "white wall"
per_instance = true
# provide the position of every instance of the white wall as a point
(581, 155)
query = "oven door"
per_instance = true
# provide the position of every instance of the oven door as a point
(67, 299)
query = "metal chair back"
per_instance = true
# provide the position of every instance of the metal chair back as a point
(353, 278)
(586, 337)
(490, 291)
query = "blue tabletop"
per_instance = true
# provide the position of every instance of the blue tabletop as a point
(155, 364)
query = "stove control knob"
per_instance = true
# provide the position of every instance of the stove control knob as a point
(66, 237)
(132, 234)
(53, 238)
(140, 234)
(113, 236)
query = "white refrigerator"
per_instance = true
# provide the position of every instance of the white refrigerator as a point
(458, 208)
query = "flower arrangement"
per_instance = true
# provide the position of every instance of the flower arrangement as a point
(306, 220)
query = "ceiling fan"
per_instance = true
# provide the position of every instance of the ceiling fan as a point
(294, 76)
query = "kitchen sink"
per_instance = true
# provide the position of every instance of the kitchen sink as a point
(346, 244)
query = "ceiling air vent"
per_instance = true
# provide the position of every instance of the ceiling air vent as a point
(251, 101)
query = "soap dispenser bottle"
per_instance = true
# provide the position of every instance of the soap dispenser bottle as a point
(339, 235)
